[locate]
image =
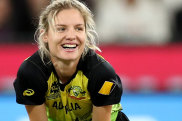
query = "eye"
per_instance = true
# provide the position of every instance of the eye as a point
(60, 29)
(79, 28)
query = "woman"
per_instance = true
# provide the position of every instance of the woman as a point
(65, 80)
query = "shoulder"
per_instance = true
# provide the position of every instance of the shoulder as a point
(95, 64)
(32, 75)
(99, 70)
(32, 66)
(104, 84)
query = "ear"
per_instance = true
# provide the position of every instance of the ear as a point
(44, 36)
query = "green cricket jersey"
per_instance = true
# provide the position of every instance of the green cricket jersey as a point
(94, 83)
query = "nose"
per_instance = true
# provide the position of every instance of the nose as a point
(71, 34)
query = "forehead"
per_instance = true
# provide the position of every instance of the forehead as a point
(69, 16)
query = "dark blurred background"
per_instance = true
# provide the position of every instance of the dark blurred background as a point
(142, 39)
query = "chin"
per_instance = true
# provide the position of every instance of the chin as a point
(70, 58)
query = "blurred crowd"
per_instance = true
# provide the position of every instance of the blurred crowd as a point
(125, 21)
(18, 19)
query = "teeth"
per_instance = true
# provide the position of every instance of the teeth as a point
(69, 46)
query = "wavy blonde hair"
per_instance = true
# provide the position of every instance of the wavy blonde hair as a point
(47, 19)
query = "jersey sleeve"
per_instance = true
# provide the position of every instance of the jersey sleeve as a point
(105, 85)
(30, 87)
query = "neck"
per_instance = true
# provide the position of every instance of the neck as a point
(65, 69)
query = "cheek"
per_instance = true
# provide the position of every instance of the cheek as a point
(52, 40)
(51, 45)
(83, 39)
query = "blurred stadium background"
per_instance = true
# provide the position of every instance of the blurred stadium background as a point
(142, 39)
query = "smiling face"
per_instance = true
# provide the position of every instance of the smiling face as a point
(66, 39)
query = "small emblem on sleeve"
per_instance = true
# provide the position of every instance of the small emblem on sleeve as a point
(106, 88)
(28, 92)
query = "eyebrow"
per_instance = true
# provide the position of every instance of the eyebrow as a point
(66, 25)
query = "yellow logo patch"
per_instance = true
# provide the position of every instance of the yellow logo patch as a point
(106, 88)
(28, 92)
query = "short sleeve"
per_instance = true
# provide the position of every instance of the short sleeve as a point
(30, 85)
(104, 85)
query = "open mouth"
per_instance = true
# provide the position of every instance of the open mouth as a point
(69, 46)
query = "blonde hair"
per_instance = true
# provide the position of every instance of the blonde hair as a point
(47, 19)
